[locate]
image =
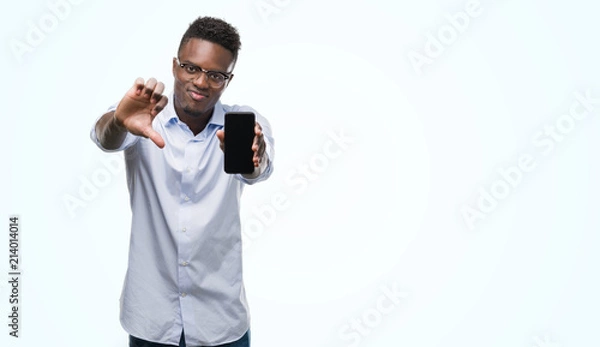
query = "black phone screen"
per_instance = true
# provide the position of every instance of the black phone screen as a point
(239, 135)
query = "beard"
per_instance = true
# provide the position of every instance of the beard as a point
(193, 113)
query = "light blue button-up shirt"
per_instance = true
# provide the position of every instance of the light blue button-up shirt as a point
(185, 254)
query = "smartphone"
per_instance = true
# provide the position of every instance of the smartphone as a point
(239, 136)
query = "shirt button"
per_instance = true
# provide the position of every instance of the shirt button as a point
(183, 295)
(185, 263)
(184, 229)
(188, 169)
(187, 198)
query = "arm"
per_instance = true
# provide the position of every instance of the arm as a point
(110, 134)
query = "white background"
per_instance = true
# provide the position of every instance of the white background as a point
(386, 212)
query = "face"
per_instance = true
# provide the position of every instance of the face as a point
(193, 96)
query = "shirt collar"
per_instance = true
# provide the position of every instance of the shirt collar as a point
(218, 116)
(169, 117)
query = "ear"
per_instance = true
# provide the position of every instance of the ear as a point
(175, 66)
(229, 81)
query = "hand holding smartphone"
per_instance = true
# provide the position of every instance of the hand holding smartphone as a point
(239, 136)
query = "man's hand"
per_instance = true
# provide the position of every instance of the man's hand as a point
(258, 146)
(139, 106)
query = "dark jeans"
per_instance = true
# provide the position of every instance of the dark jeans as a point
(135, 342)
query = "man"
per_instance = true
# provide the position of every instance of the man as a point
(184, 278)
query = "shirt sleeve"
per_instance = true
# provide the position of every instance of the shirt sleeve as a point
(129, 140)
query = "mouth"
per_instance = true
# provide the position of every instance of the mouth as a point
(196, 96)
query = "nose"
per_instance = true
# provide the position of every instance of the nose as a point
(201, 81)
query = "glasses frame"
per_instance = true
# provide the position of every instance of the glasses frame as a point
(226, 76)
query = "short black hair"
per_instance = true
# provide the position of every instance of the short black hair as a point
(216, 31)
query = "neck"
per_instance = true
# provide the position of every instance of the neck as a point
(196, 122)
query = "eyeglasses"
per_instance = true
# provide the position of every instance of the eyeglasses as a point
(216, 79)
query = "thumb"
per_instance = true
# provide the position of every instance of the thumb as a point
(221, 137)
(154, 137)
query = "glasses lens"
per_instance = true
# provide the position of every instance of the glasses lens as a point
(216, 79)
